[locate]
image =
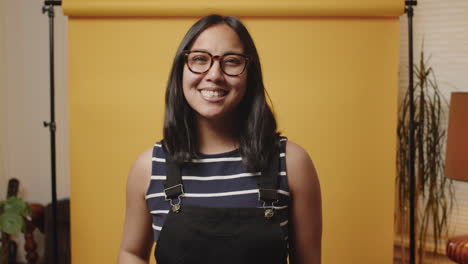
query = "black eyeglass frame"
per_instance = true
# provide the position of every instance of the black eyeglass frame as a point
(218, 57)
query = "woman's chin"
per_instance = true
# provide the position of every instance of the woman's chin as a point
(210, 116)
(213, 115)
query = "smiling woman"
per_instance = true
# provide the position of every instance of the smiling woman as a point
(222, 186)
(208, 89)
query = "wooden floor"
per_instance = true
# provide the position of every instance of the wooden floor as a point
(429, 259)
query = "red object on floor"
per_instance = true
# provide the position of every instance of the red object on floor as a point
(457, 249)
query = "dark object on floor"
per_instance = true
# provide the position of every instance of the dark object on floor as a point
(12, 249)
(37, 221)
(457, 249)
(63, 232)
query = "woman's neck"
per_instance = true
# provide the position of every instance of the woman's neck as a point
(217, 136)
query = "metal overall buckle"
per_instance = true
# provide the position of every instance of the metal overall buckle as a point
(269, 209)
(175, 207)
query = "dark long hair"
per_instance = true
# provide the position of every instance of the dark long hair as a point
(258, 138)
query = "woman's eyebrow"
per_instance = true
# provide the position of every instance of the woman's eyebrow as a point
(200, 50)
(227, 52)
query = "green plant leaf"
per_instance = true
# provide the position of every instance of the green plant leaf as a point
(11, 223)
(16, 206)
(26, 210)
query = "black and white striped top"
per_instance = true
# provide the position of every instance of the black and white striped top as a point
(215, 180)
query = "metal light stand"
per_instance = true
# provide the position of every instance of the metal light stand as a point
(49, 8)
(412, 126)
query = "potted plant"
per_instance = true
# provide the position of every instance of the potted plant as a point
(434, 192)
(13, 212)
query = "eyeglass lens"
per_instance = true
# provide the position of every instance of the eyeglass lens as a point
(231, 64)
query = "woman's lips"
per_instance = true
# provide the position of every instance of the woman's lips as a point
(213, 95)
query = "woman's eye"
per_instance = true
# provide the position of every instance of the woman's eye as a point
(232, 61)
(199, 59)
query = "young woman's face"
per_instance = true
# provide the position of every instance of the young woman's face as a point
(214, 94)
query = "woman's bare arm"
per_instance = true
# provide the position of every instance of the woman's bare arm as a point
(137, 234)
(306, 206)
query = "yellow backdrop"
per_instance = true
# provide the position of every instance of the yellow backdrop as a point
(331, 69)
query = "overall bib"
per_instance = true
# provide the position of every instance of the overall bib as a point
(205, 235)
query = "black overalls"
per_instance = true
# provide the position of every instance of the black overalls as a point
(204, 235)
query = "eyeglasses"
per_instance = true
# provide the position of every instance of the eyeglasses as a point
(232, 64)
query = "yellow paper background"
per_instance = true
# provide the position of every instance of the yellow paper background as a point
(333, 82)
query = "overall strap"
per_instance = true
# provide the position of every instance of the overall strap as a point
(269, 183)
(173, 187)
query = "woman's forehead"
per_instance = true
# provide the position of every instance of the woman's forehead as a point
(218, 39)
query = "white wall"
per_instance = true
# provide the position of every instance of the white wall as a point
(443, 25)
(24, 141)
(24, 100)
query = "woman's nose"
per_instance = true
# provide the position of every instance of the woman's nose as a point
(215, 73)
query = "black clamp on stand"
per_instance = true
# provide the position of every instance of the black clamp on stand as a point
(49, 8)
(409, 6)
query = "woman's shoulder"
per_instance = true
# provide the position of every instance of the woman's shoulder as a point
(295, 152)
(144, 159)
(140, 173)
(299, 166)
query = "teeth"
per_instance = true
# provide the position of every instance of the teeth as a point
(211, 94)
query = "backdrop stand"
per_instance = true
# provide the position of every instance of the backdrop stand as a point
(412, 125)
(49, 8)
